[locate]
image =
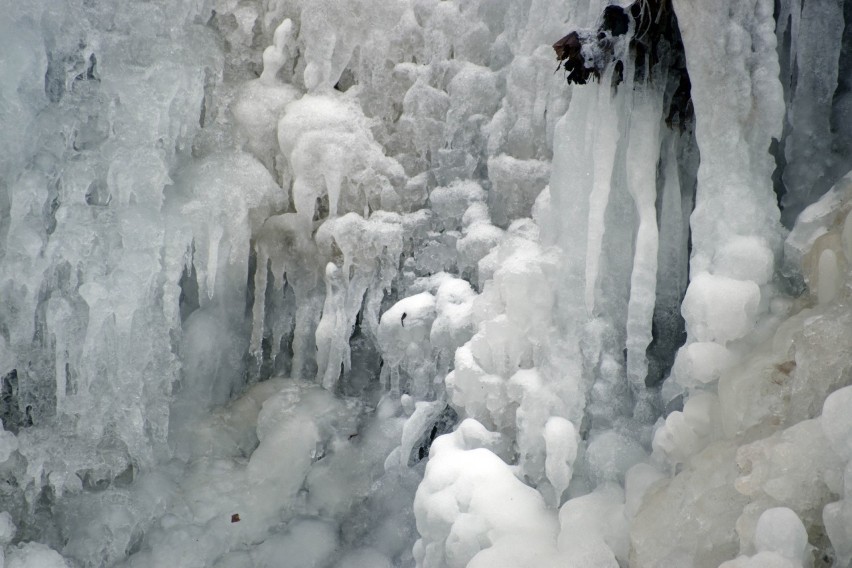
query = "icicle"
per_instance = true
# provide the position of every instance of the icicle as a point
(846, 238)
(672, 257)
(332, 345)
(286, 246)
(570, 187)
(213, 259)
(258, 311)
(829, 277)
(605, 132)
(560, 439)
(58, 316)
(643, 152)
(276, 55)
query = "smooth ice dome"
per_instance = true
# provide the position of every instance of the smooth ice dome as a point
(701, 363)
(837, 422)
(780, 530)
(720, 309)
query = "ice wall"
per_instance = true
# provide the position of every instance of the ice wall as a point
(366, 284)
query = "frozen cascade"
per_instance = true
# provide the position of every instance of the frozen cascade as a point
(313, 283)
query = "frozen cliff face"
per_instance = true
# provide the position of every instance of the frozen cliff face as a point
(366, 284)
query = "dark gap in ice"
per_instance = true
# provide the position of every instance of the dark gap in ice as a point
(97, 194)
(347, 81)
(91, 71)
(776, 150)
(668, 328)
(443, 423)
(267, 365)
(188, 301)
(54, 78)
(841, 108)
(51, 205)
(656, 40)
(250, 290)
(10, 411)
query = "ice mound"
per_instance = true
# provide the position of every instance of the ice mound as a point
(453, 325)
(685, 433)
(364, 558)
(333, 155)
(593, 529)
(261, 103)
(451, 203)
(472, 511)
(34, 555)
(701, 363)
(837, 515)
(745, 258)
(719, 309)
(251, 459)
(780, 540)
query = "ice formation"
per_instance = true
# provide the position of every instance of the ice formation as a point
(362, 284)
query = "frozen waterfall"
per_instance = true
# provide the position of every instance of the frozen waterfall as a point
(417, 283)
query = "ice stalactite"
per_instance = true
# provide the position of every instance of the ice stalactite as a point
(602, 182)
(644, 149)
(286, 249)
(601, 153)
(241, 194)
(675, 205)
(367, 253)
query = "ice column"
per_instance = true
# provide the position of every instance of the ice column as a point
(733, 66)
(643, 153)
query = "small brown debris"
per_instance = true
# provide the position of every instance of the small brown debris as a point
(235, 518)
(786, 367)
